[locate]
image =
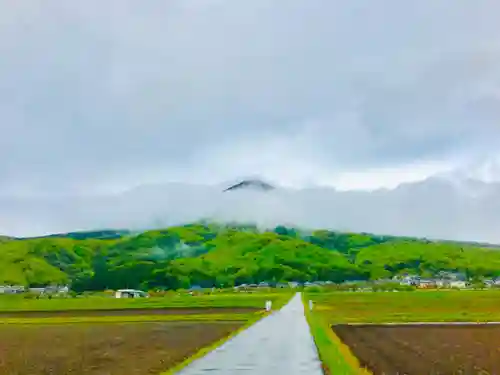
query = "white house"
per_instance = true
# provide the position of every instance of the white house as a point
(11, 289)
(37, 290)
(130, 293)
(458, 284)
(427, 283)
(56, 289)
(440, 283)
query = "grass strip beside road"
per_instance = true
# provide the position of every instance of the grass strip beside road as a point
(335, 356)
(204, 351)
(283, 300)
(241, 299)
(135, 318)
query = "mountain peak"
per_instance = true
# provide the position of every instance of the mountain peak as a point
(252, 184)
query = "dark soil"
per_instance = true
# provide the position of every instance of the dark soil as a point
(425, 349)
(127, 312)
(103, 349)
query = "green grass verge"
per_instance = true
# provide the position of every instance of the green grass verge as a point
(285, 297)
(204, 351)
(334, 307)
(336, 357)
(257, 300)
(416, 306)
(133, 319)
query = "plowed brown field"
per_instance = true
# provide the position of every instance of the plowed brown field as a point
(445, 349)
(97, 349)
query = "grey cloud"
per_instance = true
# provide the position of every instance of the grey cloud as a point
(92, 92)
(91, 88)
(98, 96)
(436, 208)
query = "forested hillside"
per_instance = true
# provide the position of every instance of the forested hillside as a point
(208, 254)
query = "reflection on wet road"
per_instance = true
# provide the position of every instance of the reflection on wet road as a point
(280, 343)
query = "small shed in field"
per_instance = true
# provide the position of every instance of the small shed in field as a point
(130, 293)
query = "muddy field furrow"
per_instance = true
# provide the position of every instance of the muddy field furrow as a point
(98, 349)
(380, 359)
(425, 349)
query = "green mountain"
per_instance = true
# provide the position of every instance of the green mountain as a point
(97, 234)
(208, 254)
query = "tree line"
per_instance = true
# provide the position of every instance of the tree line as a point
(211, 254)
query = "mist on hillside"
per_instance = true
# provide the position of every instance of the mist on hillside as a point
(434, 208)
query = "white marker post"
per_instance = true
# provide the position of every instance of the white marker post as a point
(268, 305)
(310, 305)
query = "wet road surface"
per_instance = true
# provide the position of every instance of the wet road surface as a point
(278, 344)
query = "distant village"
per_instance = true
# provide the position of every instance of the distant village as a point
(444, 280)
(48, 290)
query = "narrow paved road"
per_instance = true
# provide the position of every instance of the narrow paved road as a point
(279, 344)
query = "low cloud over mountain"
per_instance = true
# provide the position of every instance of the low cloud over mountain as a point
(438, 207)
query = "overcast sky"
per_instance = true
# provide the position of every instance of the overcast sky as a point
(99, 96)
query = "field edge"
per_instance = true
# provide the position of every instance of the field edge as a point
(207, 349)
(335, 356)
(131, 319)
